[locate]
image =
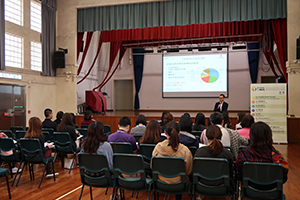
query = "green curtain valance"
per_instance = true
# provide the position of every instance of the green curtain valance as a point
(177, 12)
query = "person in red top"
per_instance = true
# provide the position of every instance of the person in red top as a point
(87, 119)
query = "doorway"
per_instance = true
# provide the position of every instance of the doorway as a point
(123, 90)
(12, 106)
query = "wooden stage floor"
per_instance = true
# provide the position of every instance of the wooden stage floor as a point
(68, 186)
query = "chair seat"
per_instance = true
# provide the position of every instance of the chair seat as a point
(3, 172)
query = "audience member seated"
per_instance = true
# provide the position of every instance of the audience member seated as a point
(48, 123)
(35, 131)
(152, 133)
(122, 134)
(73, 119)
(186, 138)
(173, 148)
(246, 123)
(59, 115)
(214, 149)
(240, 116)
(199, 122)
(95, 142)
(260, 150)
(140, 123)
(87, 119)
(227, 123)
(166, 117)
(67, 125)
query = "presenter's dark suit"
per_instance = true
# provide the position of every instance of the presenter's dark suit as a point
(224, 107)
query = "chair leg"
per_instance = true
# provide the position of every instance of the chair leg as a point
(8, 187)
(16, 174)
(29, 171)
(72, 162)
(32, 171)
(137, 194)
(10, 169)
(115, 190)
(132, 194)
(169, 196)
(20, 174)
(106, 191)
(81, 192)
(42, 176)
(53, 170)
(165, 196)
(91, 193)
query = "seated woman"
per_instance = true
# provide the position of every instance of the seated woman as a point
(199, 122)
(35, 131)
(260, 150)
(214, 149)
(240, 117)
(140, 127)
(173, 148)
(185, 136)
(59, 115)
(152, 133)
(95, 142)
(165, 118)
(246, 123)
(87, 119)
(227, 123)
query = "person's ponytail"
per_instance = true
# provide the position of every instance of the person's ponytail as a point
(214, 133)
(172, 130)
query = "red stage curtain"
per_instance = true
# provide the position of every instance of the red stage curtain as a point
(87, 45)
(79, 43)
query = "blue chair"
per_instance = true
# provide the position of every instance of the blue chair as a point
(82, 131)
(32, 153)
(130, 164)
(159, 168)
(211, 177)
(63, 144)
(4, 172)
(19, 134)
(262, 181)
(7, 145)
(121, 147)
(146, 152)
(84, 126)
(9, 133)
(107, 130)
(137, 137)
(47, 136)
(94, 171)
(15, 128)
(193, 149)
(50, 131)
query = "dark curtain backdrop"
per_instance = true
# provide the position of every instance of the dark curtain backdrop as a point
(48, 37)
(253, 58)
(138, 67)
(2, 35)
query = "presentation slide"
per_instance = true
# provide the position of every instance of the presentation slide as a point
(201, 75)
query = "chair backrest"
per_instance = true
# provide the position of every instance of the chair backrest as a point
(193, 149)
(137, 137)
(107, 130)
(159, 167)
(63, 143)
(208, 171)
(9, 133)
(262, 181)
(14, 128)
(8, 150)
(228, 148)
(94, 164)
(84, 125)
(82, 131)
(20, 134)
(121, 147)
(129, 164)
(47, 136)
(146, 152)
(31, 150)
(196, 133)
(50, 131)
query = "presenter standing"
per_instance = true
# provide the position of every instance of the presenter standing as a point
(221, 105)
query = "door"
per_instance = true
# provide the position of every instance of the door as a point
(12, 106)
(123, 94)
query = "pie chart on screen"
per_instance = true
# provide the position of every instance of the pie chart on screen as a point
(210, 75)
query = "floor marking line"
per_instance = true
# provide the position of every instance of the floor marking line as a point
(68, 193)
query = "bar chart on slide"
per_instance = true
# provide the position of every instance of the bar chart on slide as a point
(210, 75)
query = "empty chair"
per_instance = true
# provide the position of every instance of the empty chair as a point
(262, 181)
(137, 137)
(47, 136)
(9, 133)
(84, 125)
(94, 171)
(211, 177)
(164, 166)
(63, 144)
(146, 152)
(193, 149)
(50, 131)
(130, 164)
(107, 130)
(32, 153)
(19, 134)
(121, 147)
(4, 172)
(15, 128)
(196, 133)
(82, 131)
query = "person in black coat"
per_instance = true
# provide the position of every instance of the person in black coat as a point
(48, 123)
(221, 105)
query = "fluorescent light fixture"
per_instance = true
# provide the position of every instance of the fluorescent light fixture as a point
(11, 76)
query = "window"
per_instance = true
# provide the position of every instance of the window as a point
(35, 16)
(36, 56)
(13, 51)
(13, 11)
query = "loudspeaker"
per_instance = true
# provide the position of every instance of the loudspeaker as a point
(59, 59)
(298, 49)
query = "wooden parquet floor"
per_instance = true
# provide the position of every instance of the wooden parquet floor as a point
(68, 186)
